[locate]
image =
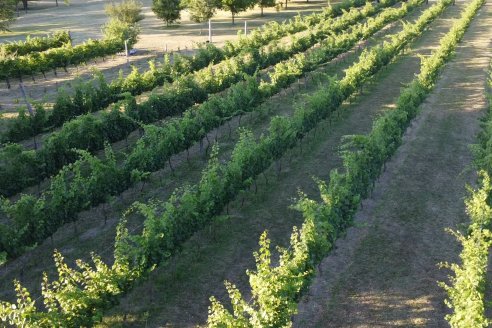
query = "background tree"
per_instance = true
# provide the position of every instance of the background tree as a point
(128, 11)
(266, 4)
(202, 10)
(7, 13)
(167, 10)
(118, 30)
(236, 6)
(122, 24)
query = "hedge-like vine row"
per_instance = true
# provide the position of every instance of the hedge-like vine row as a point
(90, 132)
(276, 290)
(97, 94)
(84, 293)
(42, 62)
(21, 48)
(466, 289)
(90, 181)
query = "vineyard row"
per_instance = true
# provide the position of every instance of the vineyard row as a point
(466, 289)
(30, 45)
(276, 289)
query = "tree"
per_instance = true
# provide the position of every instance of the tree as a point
(7, 13)
(202, 10)
(266, 4)
(118, 30)
(122, 24)
(167, 10)
(128, 11)
(236, 6)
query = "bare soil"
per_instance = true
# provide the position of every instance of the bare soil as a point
(385, 271)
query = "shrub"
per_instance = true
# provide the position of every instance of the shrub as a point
(119, 30)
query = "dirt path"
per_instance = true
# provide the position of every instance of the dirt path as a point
(384, 272)
(176, 294)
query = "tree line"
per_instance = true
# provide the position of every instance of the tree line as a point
(167, 10)
(202, 10)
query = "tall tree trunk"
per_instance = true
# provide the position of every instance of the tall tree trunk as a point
(261, 11)
(285, 4)
(232, 17)
(24, 4)
(56, 2)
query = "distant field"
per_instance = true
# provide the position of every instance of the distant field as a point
(43, 17)
(84, 20)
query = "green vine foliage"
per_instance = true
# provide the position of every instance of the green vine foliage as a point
(466, 289)
(273, 301)
(160, 143)
(175, 98)
(78, 296)
(43, 61)
(32, 44)
(168, 224)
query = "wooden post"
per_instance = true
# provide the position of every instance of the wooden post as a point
(126, 52)
(210, 30)
(29, 108)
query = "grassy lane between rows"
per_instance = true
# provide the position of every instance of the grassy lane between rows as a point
(467, 286)
(276, 289)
